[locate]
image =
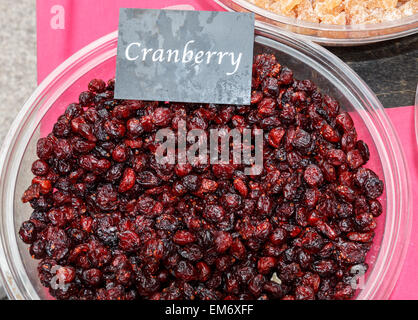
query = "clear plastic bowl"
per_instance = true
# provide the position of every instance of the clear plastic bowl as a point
(416, 114)
(327, 34)
(308, 61)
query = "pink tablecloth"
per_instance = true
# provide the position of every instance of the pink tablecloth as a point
(65, 26)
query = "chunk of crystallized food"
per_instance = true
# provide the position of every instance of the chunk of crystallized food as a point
(409, 8)
(115, 224)
(288, 5)
(305, 11)
(341, 11)
(384, 4)
(327, 6)
(339, 19)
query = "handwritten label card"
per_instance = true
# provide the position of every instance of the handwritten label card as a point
(185, 56)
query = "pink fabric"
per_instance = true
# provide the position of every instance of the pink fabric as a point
(403, 120)
(87, 20)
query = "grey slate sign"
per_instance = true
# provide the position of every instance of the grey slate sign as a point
(185, 56)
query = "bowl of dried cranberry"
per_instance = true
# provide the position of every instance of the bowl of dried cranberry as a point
(87, 212)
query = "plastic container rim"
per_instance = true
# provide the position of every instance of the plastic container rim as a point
(10, 276)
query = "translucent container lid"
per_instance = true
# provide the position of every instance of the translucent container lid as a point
(327, 34)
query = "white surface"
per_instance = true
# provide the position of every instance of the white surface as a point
(17, 61)
(17, 58)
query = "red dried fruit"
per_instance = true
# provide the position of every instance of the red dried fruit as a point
(66, 274)
(266, 107)
(266, 65)
(241, 187)
(324, 268)
(286, 76)
(203, 271)
(354, 159)
(329, 133)
(128, 180)
(120, 153)
(311, 280)
(27, 232)
(363, 148)
(373, 187)
(185, 271)
(266, 264)
(301, 139)
(256, 285)
(129, 241)
(92, 277)
(360, 237)
(161, 117)
(278, 236)
(256, 97)
(313, 175)
(343, 291)
(114, 128)
(223, 240)
(345, 121)
(40, 168)
(208, 186)
(238, 249)
(312, 241)
(44, 184)
(336, 157)
(326, 229)
(183, 237)
(275, 136)
(33, 192)
(273, 289)
(214, 213)
(122, 226)
(346, 193)
(97, 85)
(45, 148)
(270, 86)
(375, 208)
(304, 293)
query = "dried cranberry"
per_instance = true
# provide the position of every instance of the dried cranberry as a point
(373, 188)
(214, 213)
(27, 232)
(116, 224)
(128, 180)
(275, 137)
(161, 117)
(266, 264)
(40, 168)
(92, 277)
(313, 175)
(97, 85)
(183, 237)
(223, 241)
(185, 271)
(304, 293)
